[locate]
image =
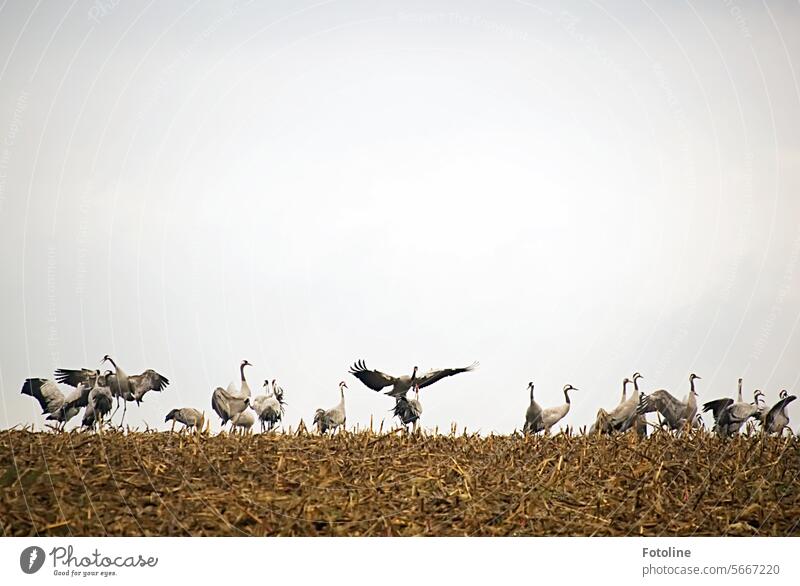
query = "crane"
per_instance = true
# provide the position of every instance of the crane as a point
(553, 415)
(243, 421)
(533, 415)
(730, 415)
(776, 419)
(51, 400)
(376, 380)
(123, 386)
(408, 410)
(188, 416)
(101, 400)
(228, 403)
(622, 417)
(333, 418)
(677, 414)
(269, 407)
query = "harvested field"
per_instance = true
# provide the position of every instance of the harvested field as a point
(393, 484)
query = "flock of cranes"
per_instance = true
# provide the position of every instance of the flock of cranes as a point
(97, 393)
(91, 391)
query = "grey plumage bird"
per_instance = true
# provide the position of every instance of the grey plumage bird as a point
(730, 415)
(623, 416)
(51, 400)
(533, 414)
(400, 385)
(677, 414)
(408, 411)
(640, 423)
(552, 415)
(334, 418)
(228, 403)
(244, 421)
(100, 403)
(188, 416)
(602, 420)
(124, 387)
(775, 420)
(269, 407)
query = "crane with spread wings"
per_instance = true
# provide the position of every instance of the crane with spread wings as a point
(400, 385)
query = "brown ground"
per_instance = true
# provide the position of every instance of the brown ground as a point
(369, 484)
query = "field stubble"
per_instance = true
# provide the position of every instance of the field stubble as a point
(396, 484)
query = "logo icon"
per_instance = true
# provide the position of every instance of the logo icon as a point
(31, 559)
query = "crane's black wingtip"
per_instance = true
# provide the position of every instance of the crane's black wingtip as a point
(358, 367)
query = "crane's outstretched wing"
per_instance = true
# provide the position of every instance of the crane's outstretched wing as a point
(673, 410)
(433, 376)
(149, 380)
(374, 379)
(741, 412)
(717, 406)
(777, 408)
(75, 377)
(662, 401)
(46, 392)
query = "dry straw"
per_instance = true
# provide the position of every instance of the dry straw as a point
(396, 484)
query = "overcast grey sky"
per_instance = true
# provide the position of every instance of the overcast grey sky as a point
(567, 192)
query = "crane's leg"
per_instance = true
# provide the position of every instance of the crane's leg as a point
(124, 410)
(117, 408)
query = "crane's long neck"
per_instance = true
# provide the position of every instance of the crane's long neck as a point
(691, 402)
(241, 372)
(566, 395)
(740, 399)
(117, 369)
(624, 390)
(341, 401)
